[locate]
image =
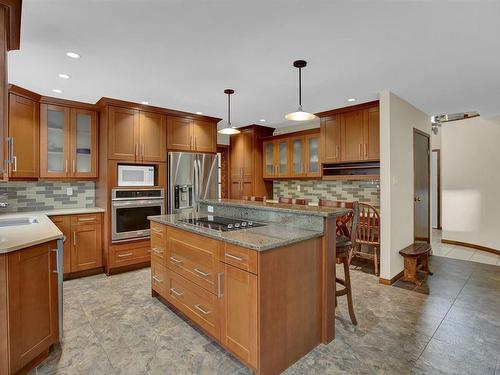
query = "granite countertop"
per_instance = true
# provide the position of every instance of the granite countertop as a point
(18, 237)
(280, 207)
(262, 238)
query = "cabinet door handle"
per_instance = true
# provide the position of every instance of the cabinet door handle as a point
(191, 141)
(80, 219)
(74, 165)
(66, 167)
(14, 169)
(366, 150)
(195, 143)
(158, 231)
(200, 309)
(125, 255)
(178, 294)
(157, 251)
(200, 272)
(219, 285)
(74, 238)
(157, 279)
(231, 256)
(173, 259)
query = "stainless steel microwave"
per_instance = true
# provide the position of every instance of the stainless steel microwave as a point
(136, 175)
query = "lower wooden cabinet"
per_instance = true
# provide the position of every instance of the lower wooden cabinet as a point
(29, 322)
(82, 248)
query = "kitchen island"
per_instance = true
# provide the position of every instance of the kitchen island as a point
(265, 293)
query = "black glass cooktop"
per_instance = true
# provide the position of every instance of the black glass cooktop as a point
(223, 224)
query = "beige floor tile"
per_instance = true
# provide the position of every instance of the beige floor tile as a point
(461, 253)
(485, 257)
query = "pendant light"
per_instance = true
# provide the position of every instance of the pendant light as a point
(300, 115)
(229, 129)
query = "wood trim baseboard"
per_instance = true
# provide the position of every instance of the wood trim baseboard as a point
(472, 246)
(383, 281)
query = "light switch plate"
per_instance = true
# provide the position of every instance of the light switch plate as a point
(69, 191)
(210, 209)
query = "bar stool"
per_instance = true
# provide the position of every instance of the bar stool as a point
(301, 201)
(254, 198)
(346, 238)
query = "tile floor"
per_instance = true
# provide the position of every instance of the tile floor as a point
(460, 252)
(113, 326)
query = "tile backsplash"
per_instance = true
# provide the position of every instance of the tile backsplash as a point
(46, 195)
(363, 191)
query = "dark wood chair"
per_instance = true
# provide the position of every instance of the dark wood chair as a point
(346, 240)
(254, 198)
(368, 234)
(301, 201)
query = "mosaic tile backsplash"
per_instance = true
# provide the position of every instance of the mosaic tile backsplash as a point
(363, 191)
(46, 195)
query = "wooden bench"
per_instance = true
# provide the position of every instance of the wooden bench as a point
(416, 258)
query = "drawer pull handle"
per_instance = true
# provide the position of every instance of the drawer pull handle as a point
(219, 285)
(174, 259)
(203, 311)
(156, 250)
(86, 219)
(125, 255)
(178, 294)
(200, 272)
(157, 279)
(159, 231)
(231, 256)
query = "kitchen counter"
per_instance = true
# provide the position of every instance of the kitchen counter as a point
(65, 211)
(263, 238)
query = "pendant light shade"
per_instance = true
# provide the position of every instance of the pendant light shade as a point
(229, 128)
(300, 114)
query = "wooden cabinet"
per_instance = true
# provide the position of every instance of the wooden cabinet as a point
(136, 135)
(29, 305)
(351, 134)
(82, 248)
(23, 137)
(68, 142)
(185, 134)
(246, 161)
(276, 156)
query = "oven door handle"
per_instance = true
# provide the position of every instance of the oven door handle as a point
(138, 203)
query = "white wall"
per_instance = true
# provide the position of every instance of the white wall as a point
(222, 139)
(398, 118)
(470, 181)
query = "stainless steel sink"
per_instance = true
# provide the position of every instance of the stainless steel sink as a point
(14, 221)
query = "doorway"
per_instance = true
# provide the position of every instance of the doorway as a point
(421, 178)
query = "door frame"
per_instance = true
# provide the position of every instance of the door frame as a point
(426, 135)
(224, 150)
(438, 186)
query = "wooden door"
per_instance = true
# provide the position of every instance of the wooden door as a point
(238, 312)
(123, 133)
(83, 141)
(269, 159)
(312, 155)
(297, 157)
(421, 200)
(204, 136)
(330, 138)
(33, 302)
(371, 134)
(351, 136)
(63, 222)
(282, 155)
(54, 141)
(86, 250)
(24, 135)
(152, 137)
(179, 134)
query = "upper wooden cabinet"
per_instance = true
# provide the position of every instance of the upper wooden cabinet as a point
(351, 134)
(68, 142)
(276, 157)
(185, 134)
(23, 137)
(136, 135)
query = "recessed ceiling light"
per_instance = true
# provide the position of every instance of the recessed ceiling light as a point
(73, 55)
(62, 75)
(145, 102)
(262, 120)
(199, 113)
(351, 100)
(57, 91)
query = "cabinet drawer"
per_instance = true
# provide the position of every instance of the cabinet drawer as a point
(85, 218)
(158, 230)
(240, 257)
(124, 256)
(159, 278)
(194, 257)
(198, 304)
(158, 248)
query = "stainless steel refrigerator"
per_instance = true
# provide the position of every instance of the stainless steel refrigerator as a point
(191, 177)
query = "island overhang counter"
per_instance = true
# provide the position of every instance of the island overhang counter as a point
(267, 293)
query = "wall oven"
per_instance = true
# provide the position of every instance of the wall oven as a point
(130, 209)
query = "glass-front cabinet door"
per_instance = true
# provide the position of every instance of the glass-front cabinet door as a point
(297, 156)
(269, 164)
(283, 164)
(313, 165)
(54, 141)
(83, 143)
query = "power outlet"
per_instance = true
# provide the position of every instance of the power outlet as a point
(210, 209)
(69, 191)
(298, 187)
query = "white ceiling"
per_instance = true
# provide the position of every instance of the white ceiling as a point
(442, 56)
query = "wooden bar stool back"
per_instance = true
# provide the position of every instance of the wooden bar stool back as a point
(368, 234)
(254, 198)
(301, 201)
(346, 237)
